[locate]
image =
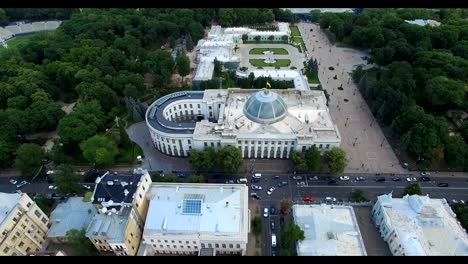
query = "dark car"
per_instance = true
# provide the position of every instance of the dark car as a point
(272, 225)
(425, 178)
(272, 210)
(396, 179)
(255, 196)
(253, 180)
(333, 182)
(443, 184)
(379, 179)
(283, 183)
(273, 253)
(181, 175)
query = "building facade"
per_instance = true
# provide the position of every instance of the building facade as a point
(23, 225)
(190, 219)
(419, 226)
(122, 207)
(261, 123)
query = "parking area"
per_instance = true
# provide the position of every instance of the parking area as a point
(375, 246)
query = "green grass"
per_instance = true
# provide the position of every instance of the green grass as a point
(15, 43)
(295, 31)
(301, 41)
(276, 51)
(87, 196)
(311, 77)
(278, 63)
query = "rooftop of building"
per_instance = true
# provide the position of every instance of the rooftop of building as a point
(322, 10)
(423, 22)
(329, 231)
(210, 209)
(300, 80)
(115, 189)
(155, 113)
(8, 202)
(307, 116)
(71, 214)
(425, 226)
(111, 226)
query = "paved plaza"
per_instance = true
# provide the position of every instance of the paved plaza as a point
(367, 149)
(297, 58)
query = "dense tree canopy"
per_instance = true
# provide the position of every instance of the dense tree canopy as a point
(29, 158)
(66, 180)
(99, 150)
(337, 160)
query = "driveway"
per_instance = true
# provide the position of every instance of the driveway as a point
(364, 142)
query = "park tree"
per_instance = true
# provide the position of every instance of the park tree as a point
(161, 65)
(411, 189)
(124, 140)
(98, 91)
(257, 226)
(456, 152)
(414, 114)
(444, 92)
(29, 157)
(231, 158)
(73, 130)
(290, 235)
(5, 153)
(227, 17)
(196, 159)
(189, 43)
(337, 160)
(312, 158)
(183, 65)
(196, 179)
(99, 150)
(285, 206)
(66, 180)
(299, 162)
(81, 245)
(57, 153)
(196, 30)
(358, 196)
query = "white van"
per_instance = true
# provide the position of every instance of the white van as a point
(242, 180)
(273, 240)
(257, 176)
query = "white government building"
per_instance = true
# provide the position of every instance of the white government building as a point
(419, 226)
(329, 230)
(196, 219)
(261, 123)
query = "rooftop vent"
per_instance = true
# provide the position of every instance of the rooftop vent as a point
(110, 183)
(126, 192)
(227, 203)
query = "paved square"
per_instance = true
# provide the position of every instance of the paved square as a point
(360, 119)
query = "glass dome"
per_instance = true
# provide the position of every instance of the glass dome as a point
(265, 107)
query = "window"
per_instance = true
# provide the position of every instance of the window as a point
(292, 143)
(23, 226)
(28, 205)
(37, 213)
(28, 249)
(186, 112)
(198, 105)
(286, 143)
(328, 146)
(186, 242)
(203, 245)
(212, 144)
(161, 246)
(209, 245)
(194, 242)
(206, 144)
(6, 249)
(224, 245)
(185, 105)
(131, 234)
(231, 246)
(159, 241)
(195, 247)
(209, 107)
(190, 105)
(216, 245)
(180, 107)
(172, 241)
(174, 246)
(238, 246)
(188, 141)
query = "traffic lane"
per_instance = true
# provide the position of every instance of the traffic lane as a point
(344, 192)
(403, 182)
(266, 251)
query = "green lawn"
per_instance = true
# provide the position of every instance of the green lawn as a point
(276, 51)
(278, 63)
(299, 40)
(14, 43)
(311, 77)
(295, 31)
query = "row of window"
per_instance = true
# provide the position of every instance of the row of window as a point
(210, 245)
(265, 142)
(212, 144)
(173, 140)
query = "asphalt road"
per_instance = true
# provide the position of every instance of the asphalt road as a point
(319, 189)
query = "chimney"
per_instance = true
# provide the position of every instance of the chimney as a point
(227, 203)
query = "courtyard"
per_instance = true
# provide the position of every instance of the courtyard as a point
(277, 63)
(260, 51)
(252, 56)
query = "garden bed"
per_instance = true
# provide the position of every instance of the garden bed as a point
(276, 51)
(278, 63)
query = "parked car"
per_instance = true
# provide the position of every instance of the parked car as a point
(230, 181)
(181, 175)
(255, 196)
(425, 173)
(411, 179)
(344, 178)
(265, 212)
(283, 183)
(330, 199)
(297, 178)
(52, 187)
(50, 172)
(333, 182)
(272, 225)
(270, 191)
(257, 175)
(56, 196)
(360, 179)
(425, 178)
(21, 184)
(253, 180)
(87, 187)
(13, 181)
(256, 187)
(313, 178)
(276, 177)
(379, 179)
(308, 199)
(301, 183)
(396, 179)
(443, 184)
(272, 210)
